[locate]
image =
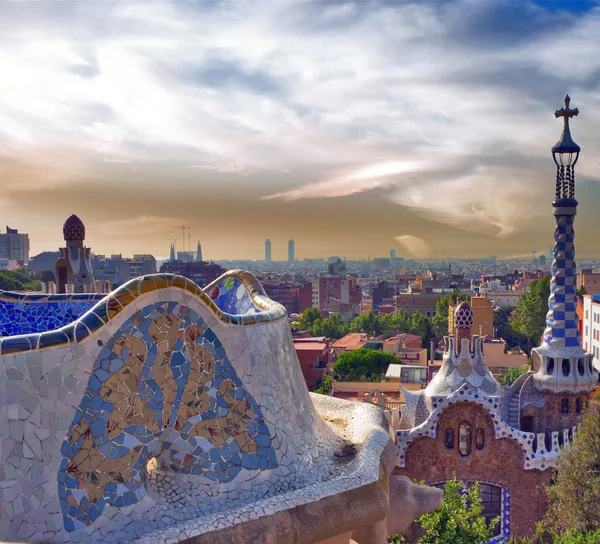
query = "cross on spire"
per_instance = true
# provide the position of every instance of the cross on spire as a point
(566, 143)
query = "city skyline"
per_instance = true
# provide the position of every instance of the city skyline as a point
(224, 119)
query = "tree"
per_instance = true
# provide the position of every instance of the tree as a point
(529, 317)
(325, 387)
(574, 498)
(17, 280)
(459, 519)
(511, 375)
(364, 363)
(582, 290)
(308, 317)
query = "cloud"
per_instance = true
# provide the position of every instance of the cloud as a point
(415, 246)
(143, 225)
(433, 104)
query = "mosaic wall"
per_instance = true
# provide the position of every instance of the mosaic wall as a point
(231, 296)
(25, 314)
(537, 456)
(164, 389)
(157, 416)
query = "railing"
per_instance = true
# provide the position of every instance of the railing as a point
(393, 404)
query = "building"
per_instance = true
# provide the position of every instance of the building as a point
(508, 439)
(330, 287)
(408, 355)
(542, 260)
(483, 317)
(408, 374)
(117, 270)
(313, 355)
(418, 302)
(501, 298)
(43, 262)
(352, 342)
(199, 258)
(499, 359)
(201, 273)
(268, 250)
(283, 291)
(382, 291)
(590, 280)
(337, 267)
(591, 327)
(14, 246)
(291, 251)
(73, 269)
(186, 256)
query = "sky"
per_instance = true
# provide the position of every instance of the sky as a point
(352, 127)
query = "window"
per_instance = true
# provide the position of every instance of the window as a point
(564, 407)
(450, 438)
(464, 438)
(491, 501)
(413, 375)
(479, 439)
(578, 406)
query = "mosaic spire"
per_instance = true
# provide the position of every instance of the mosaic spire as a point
(561, 320)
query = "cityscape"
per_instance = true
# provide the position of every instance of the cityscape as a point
(300, 273)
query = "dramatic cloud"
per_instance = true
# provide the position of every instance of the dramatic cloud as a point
(443, 108)
(414, 246)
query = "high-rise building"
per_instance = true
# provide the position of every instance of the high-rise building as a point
(542, 260)
(268, 250)
(172, 253)
(291, 251)
(14, 246)
(392, 255)
(199, 253)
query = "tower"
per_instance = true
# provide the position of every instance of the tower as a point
(564, 370)
(268, 250)
(74, 267)
(172, 253)
(199, 252)
(291, 251)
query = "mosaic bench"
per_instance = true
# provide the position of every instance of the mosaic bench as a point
(166, 412)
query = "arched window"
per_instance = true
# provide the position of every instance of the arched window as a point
(464, 438)
(450, 438)
(566, 367)
(550, 365)
(564, 407)
(578, 406)
(479, 439)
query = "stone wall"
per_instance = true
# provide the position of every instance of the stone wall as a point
(500, 461)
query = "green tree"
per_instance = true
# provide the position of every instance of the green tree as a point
(18, 280)
(529, 317)
(403, 321)
(582, 290)
(308, 317)
(459, 519)
(325, 387)
(574, 498)
(511, 375)
(364, 363)
(332, 327)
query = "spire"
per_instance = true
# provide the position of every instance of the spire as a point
(172, 255)
(199, 252)
(562, 365)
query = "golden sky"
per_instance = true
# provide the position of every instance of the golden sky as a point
(352, 128)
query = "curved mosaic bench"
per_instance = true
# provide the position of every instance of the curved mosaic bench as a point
(169, 412)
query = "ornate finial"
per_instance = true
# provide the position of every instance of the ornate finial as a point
(566, 143)
(463, 322)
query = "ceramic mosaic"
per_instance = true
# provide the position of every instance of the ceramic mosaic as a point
(159, 416)
(25, 314)
(163, 387)
(231, 296)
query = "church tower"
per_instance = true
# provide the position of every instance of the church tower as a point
(74, 267)
(564, 371)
